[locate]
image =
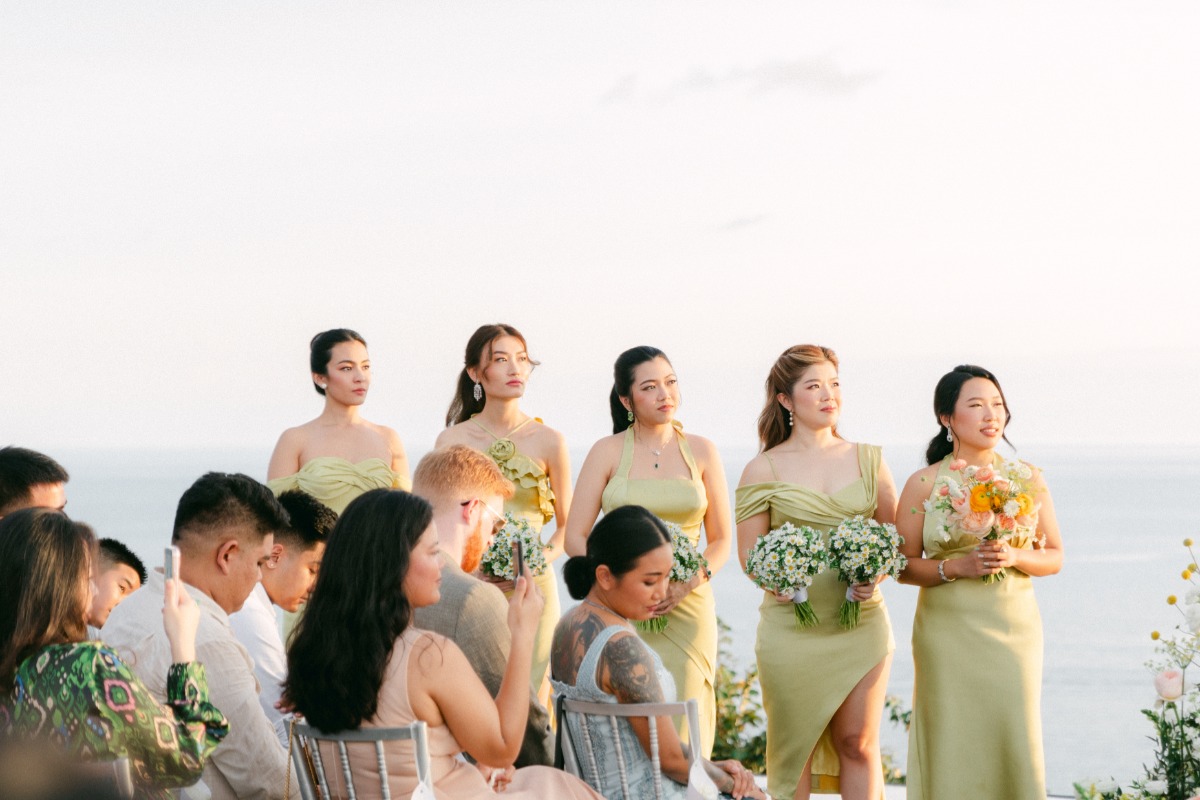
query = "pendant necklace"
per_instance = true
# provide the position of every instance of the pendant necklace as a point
(657, 453)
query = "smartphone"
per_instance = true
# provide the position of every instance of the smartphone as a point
(518, 558)
(171, 562)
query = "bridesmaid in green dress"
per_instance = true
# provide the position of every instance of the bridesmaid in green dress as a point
(339, 455)
(651, 462)
(823, 687)
(977, 647)
(486, 415)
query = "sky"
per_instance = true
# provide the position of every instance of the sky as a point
(188, 192)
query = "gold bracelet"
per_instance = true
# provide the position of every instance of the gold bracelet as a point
(942, 572)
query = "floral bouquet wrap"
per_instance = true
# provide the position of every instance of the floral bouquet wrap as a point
(863, 550)
(785, 561)
(988, 503)
(497, 559)
(688, 561)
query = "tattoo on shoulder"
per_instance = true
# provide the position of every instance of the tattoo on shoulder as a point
(627, 670)
(571, 643)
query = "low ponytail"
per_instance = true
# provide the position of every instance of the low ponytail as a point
(579, 573)
(945, 398)
(623, 369)
(620, 538)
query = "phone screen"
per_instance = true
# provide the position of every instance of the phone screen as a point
(518, 559)
(171, 562)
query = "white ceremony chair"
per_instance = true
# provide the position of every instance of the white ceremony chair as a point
(312, 771)
(579, 758)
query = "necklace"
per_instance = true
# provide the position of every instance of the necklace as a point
(606, 608)
(657, 453)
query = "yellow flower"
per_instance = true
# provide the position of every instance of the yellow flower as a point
(979, 498)
(1187, 574)
(1187, 542)
(1154, 635)
(1171, 599)
(1026, 503)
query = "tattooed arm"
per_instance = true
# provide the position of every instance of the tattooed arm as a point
(627, 672)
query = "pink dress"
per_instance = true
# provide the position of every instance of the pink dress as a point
(453, 779)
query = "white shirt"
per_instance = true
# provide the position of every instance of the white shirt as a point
(249, 763)
(256, 626)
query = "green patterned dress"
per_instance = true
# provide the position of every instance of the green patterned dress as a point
(82, 697)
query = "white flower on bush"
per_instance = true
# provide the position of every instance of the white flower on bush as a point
(1155, 788)
(1191, 615)
(1108, 786)
(1169, 684)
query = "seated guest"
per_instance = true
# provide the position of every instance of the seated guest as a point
(467, 491)
(287, 578)
(116, 573)
(224, 529)
(79, 695)
(597, 655)
(29, 479)
(358, 662)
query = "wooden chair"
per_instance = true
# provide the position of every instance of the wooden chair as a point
(578, 757)
(311, 770)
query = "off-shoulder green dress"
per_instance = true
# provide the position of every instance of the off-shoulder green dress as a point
(977, 655)
(336, 481)
(807, 673)
(533, 501)
(688, 645)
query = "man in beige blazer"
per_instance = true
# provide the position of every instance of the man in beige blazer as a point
(467, 492)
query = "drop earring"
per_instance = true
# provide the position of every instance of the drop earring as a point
(629, 415)
(791, 419)
(477, 392)
(949, 435)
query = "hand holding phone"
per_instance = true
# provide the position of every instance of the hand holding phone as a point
(181, 615)
(171, 562)
(518, 558)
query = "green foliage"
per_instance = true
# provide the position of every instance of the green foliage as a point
(898, 714)
(740, 717)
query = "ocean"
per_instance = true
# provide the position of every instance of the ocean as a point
(1123, 511)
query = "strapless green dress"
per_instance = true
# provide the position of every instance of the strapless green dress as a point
(688, 645)
(335, 481)
(533, 501)
(977, 653)
(807, 674)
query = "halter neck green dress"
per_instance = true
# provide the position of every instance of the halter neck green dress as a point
(336, 481)
(969, 636)
(532, 501)
(807, 674)
(688, 645)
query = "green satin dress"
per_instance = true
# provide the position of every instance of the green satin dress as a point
(977, 652)
(532, 501)
(807, 674)
(335, 481)
(688, 645)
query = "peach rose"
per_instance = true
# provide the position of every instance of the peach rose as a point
(1001, 484)
(1005, 522)
(985, 474)
(1027, 520)
(977, 522)
(957, 464)
(1169, 684)
(944, 490)
(959, 504)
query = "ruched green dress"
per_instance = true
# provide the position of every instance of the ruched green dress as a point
(977, 652)
(807, 673)
(688, 645)
(336, 481)
(532, 501)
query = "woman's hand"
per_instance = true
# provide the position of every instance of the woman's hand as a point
(783, 597)
(986, 559)
(743, 779)
(181, 617)
(675, 594)
(525, 606)
(997, 553)
(864, 591)
(498, 778)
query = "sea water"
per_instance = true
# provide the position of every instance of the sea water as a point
(1123, 513)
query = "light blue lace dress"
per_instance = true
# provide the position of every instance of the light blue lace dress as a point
(637, 764)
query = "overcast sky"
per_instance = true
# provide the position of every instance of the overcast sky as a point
(188, 192)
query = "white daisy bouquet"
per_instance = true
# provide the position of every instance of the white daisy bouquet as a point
(497, 559)
(688, 561)
(785, 561)
(863, 550)
(989, 503)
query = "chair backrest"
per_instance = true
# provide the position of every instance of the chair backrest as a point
(115, 776)
(311, 769)
(579, 757)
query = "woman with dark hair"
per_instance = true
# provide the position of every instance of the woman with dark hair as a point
(977, 645)
(357, 662)
(650, 462)
(486, 415)
(825, 737)
(598, 657)
(339, 455)
(78, 694)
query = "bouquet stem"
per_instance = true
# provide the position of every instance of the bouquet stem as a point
(848, 614)
(805, 616)
(995, 578)
(652, 625)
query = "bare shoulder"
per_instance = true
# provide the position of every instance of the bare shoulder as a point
(702, 448)
(757, 471)
(433, 651)
(628, 669)
(608, 449)
(389, 436)
(924, 475)
(544, 434)
(458, 433)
